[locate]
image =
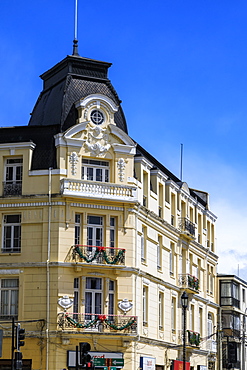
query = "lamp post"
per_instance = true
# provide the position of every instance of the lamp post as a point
(184, 301)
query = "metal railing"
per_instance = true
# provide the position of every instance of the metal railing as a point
(186, 226)
(192, 338)
(98, 322)
(187, 281)
(12, 188)
(98, 255)
(96, 189)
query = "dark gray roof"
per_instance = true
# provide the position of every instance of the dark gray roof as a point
(44, 155)
(66, 83)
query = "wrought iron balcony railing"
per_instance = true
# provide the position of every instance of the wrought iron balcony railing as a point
(187, 227)
(96, 189)
(98, 323)
(192, 338)
(189, 282)
(98, 255)
(12, 188)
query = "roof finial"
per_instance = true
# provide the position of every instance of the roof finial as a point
(75, 42)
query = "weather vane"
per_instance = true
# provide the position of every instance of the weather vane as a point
(75, 42)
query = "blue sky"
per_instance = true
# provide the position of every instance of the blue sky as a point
(179, 68)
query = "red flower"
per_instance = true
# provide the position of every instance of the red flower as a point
(101, 249)
(102, 317)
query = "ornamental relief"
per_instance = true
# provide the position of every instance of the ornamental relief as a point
(97, 141)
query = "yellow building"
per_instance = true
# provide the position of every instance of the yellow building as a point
(99, 239)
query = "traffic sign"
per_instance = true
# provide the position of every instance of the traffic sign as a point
(117, 362)
(99, 361)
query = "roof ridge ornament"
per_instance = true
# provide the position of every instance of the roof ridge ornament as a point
(75, 41)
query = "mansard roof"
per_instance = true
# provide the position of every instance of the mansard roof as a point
(67, 82)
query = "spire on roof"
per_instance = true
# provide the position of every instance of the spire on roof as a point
(75, 42)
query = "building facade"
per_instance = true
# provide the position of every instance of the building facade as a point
(233, 310)
(99, 239)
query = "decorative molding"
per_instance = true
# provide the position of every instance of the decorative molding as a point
(58, 171)
(121, 167)
(97, 141)
(10, 272)
(125, 305)
(73, 159)
(21, 145)
(65, 302)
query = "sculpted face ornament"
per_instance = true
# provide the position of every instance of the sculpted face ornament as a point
(65, 302)
(125, 305)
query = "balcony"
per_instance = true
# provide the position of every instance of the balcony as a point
(192, 338)
(98, 190)
(121, 324)
(98, 255)
(12, 188)
(187, 228)
(189, 283)
(212, 346)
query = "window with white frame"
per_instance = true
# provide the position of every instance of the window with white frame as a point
(77, 229)
(172, 248)
(192, 326)
(200, 318)
(143, 243)
(111, 300)
(95, 170)
(76, 298)
(13, 176)
(94, 231)
(145, 305)
(9, 289)
(112, 234)
(93, 297)
(11, 233)
(159, 252)
(173, 314)
(161, 310)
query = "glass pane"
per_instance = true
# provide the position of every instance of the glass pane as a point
(89, 236)
(111, 304)
(106, 175)
(95, 220)
(4, 302)
(90, 174)
(7, 237)
(17, 237)
(98, 237)
(88, 303)
(9, 283)
(12, 219)
(14, 303)
(98, 303)
(9, 174)
(226, 289)
(18, 173)
(98, 174)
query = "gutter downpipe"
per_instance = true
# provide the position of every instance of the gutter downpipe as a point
(136, 259)
(48, 270)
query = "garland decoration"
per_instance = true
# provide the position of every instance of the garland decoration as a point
(101, 318)
(194, 338)
(100, 250)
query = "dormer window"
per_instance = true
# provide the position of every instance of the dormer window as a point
(95, 170)
(13, 176)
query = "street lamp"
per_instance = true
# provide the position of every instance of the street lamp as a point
(184, 301)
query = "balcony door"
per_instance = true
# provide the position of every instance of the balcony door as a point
(93, 298)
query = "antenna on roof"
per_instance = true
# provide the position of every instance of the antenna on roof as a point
(75, 42)
(181, 163)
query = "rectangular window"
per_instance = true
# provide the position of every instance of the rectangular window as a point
(200, 321)
(95, 170)
(173, 314)
(229, 294)
(9, 289)
(76, 299)
(192, 327)
(11, 234)
(93, 297)
(143, 243)
(159, 252)
(112, 234)
(145, 306)
(111, 300)
(172, 248)
(94, 232)
(161, 311)
(77, 229)
(13, 176)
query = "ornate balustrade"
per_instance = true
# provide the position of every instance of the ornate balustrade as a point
(95, 189)
(98, 323)
(12, 188)
(98, 255)
(187, 227)
(189, 282)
